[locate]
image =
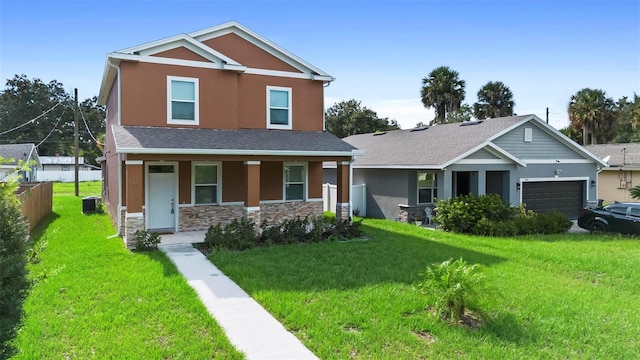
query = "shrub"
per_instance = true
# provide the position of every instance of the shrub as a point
(239, 235)
(453, 287)
(552, 223)
(146, 241)
(295, 230)
(462, 213)
(346, 229)
(14, 243)
(214, 236)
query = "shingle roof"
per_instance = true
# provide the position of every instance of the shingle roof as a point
(627, 155)
(17, 152)
(431, 147)
(133, 139)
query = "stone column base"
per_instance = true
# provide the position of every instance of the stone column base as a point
(253, 213)
(132, 223)
(343, 211)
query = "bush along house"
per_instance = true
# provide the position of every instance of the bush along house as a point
(214, 125)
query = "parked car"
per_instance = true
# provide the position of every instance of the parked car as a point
(617, 217)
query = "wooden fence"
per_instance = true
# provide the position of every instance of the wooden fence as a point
(36, 200)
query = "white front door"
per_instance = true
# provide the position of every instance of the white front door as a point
(161, 192)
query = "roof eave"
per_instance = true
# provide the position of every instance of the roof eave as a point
(169, 151)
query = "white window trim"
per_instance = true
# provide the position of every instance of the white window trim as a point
(279, 126)
(305, 180)
(435, 181)
(218, 164)
(196, 113)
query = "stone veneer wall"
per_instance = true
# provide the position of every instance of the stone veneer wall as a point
(406, 213)
(201, 217)
(274, 213)
(342, 212)
(131, 225)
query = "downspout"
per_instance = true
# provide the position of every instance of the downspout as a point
(119, 164)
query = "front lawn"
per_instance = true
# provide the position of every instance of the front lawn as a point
(561, 296)
(95, 299)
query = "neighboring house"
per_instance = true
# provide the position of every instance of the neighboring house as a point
(14, 155)
(623, 172)
(521, 158)
(64, 163)
(62, 169)
(214, 125)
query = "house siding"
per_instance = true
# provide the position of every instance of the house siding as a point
(386, 188)
(181, 53)
(482, 154)
(543, 145)
(247, 54)
(609, 181)
(227, 100)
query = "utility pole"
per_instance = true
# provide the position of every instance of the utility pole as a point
(547, 115)
(75, 140)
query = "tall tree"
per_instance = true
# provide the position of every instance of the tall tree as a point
(628, 120)
(51, 109)
(442, 90)
(464, 113)
(495, 99)
(349, 117)
(593, 113)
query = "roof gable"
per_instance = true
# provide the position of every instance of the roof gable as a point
(247, 53)
(274, 60)
(259, 41)
(15, 153)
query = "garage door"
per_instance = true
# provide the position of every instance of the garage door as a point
(563, 196)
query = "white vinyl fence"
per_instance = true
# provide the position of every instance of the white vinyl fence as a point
(358, 198)
(68, 176)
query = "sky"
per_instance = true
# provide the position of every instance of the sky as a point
(378, 51)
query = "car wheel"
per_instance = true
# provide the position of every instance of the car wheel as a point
(597, 227)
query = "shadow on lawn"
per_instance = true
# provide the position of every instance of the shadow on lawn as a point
(389, 257)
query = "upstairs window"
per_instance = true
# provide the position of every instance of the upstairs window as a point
(205, 184)
(427, 187)
(294, 181)
(182, 100)
(278, 108)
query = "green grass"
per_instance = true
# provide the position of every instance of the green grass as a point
(563, 296)
(95, 299)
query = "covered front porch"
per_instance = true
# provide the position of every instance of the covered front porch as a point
(184, 193)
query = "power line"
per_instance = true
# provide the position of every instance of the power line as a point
(32, 120)
(87, 126)
(54, 127)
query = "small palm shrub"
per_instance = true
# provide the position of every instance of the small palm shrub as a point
(146, 241)
(453, 287)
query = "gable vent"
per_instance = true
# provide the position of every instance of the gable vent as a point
(472, 122)
(420, 128)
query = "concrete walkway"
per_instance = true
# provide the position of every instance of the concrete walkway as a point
(249, 327)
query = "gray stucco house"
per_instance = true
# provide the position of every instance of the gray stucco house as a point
(521, 158)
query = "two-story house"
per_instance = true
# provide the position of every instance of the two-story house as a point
(214, 125)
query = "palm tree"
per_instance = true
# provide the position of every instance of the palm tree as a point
(443, 90)
(495, 99)
(592, 113)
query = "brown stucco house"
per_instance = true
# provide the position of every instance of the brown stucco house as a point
(214, 125)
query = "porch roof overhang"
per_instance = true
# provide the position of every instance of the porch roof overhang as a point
(197, 141)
